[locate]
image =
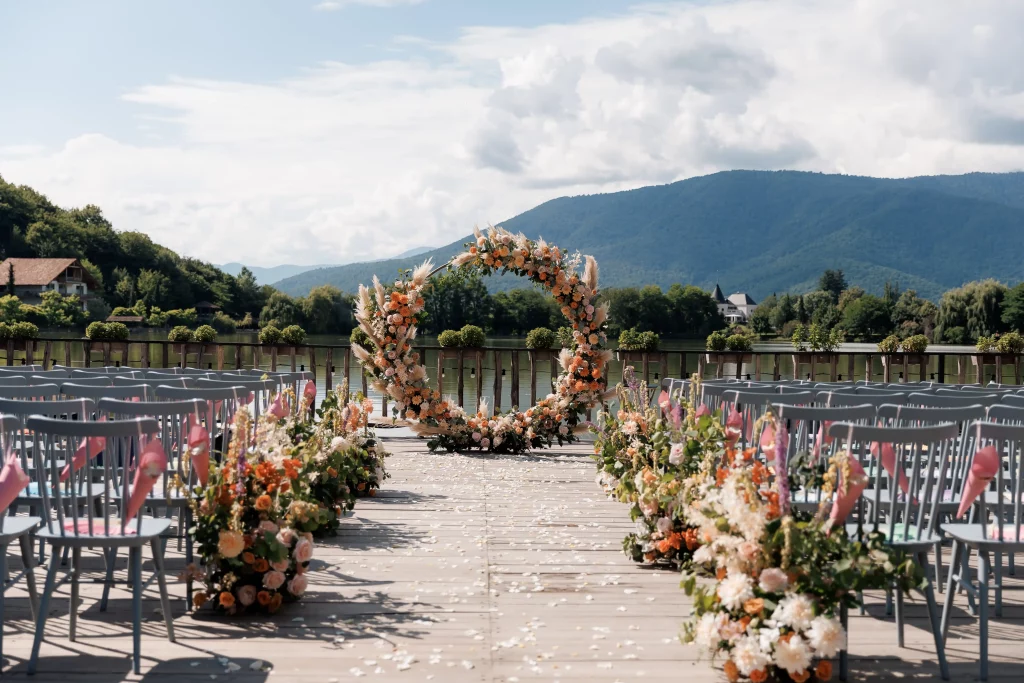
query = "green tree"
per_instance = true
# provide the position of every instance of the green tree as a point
(281, 311)
(10, 309)
(801, 310)
(692, 312)
(61, 311)
(1013, 308)
(454, 300)
(848, 296)
(328, 311)
(833, 282)
(913, 315)
(783, 313)
(653, 309)
(153, 287)
(10, 280)
(867, 318)
(624, 308)
(976, 307)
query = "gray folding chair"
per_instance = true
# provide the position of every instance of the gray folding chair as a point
(952, 400)
(101, 525)
(47, 375)
(16, 528)
(261, 390)
(996, 528)
(36, 392)
(168, 496)
(105, 372)
(1012, 400)
(180, 381)
(1006, 414)
(835, 399)
(909, 521)
(102, 381)
(219, 421)
(13, 381)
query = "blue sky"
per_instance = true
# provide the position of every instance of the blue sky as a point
(276, 132)
(65, 64)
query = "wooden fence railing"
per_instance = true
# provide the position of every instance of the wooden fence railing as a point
(515, 377)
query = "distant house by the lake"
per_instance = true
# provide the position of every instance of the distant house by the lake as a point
(33, 276)
(737, 308)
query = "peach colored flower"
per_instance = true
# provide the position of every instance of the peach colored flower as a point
(273, 580)
(230, 544)
(297, 586)
(303, 551)
(247, 595)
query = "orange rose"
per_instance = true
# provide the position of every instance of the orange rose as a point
(824, 670)
(753, 606)
(800, 677)
(758, 676)
(275, 603)
(263, 597)
(732, 672)
(199, 599)
(227, 599)
(248, 557)
(264, 502)
(230, 544)
(261, 565)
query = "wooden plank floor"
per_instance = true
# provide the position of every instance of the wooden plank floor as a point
(464, 568)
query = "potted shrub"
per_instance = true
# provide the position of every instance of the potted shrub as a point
(634, 341)
(716, 341)
(540, 338)
(909, 351)
(449, 339)
(293, 335)
(180, 335)
(565, 337)
(270, 335)
(205, 334)
(998, 350)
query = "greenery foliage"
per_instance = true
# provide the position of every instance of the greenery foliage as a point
(716, 341)
(205, 334)
(293, 335)
(449, 339)
(738, 342)
(180, 334)
(540, 338)
(634, 340)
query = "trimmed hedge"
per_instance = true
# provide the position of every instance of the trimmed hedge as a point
(540, 338)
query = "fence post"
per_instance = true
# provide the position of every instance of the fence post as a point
(514, 392)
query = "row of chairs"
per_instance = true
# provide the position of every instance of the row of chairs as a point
(913, 501)
(81, 438)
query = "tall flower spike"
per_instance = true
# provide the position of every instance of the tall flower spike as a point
(363, 305)
(476, 232)
(381, 298)
(484, 407)
(463, 258)
(590, 274)
(601, 314)
(565, 357)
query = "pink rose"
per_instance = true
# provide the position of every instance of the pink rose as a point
(286, 536)
(273, 580)
(247, 595)
(280, 565)
(297, 586)
(303, 551)
(267, 526)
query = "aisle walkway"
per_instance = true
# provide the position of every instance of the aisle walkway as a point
(464, 568)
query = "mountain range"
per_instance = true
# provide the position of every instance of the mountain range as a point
(762, 232)
(268, 275)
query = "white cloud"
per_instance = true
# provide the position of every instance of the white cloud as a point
(349, 162)
(332, 5)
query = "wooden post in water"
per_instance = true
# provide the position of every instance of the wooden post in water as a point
(220, 356)
(999, 368)
(440, 371)
(833, 367)
(328, 369)
(923, 368)
(682, 366)
(144, 356)
(292, 350)
(164, 355)
(532, 355)
(273, 358)
(479, 375)
(497, 380)
(348, 367)
(514, 391)
(776, 370)
(850, 368)
(30, 352)
(67, 354)
(47, 351)
(462, 385)
(87, 345)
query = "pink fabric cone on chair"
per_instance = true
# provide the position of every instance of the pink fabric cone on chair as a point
(823, 438)
(309, 391)
(13, 481)
(767, 442)
(984, 467)
(888, 458)
(199, 449)
(842, 504)
(733, 424)
(94, 445)
(702, 411)
(152, 464)
(278, 408)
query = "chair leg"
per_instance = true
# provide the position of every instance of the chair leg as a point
(161, 578)
(951, 588)
(189, 559)
(108, 581)
(844, 657)
(28, 557)
(76, 569)
(938, 566)
(44, 606)
(3, 590)
(997, 580)
(899, 617)
(135, 558)
(965, 573)
(933, 616)
(888, 602)
(983, 570)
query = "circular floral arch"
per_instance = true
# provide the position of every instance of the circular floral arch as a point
(390, 315)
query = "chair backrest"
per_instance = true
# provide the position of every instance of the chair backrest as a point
(1012, 400)
(987, 389)
(839, 399)
(1010, 414)
(807, 428)
(13, 381)
(872, 391)
(100, 372)
(174, 420)
(139, 391)
(29, 371)
(104, 381)
(1007, 516)
(916, 416)
(181, 381)
(956, 400)
(167, 374)
(35, 392)
(261, 390)
(76, 508)
(224, 402)
(924, 457)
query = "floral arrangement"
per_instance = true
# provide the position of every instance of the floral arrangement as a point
(639, 465)
(782, 577)
(342, 457)
(389, 317)
(254, 521)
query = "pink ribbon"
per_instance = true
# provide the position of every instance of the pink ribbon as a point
(823, 438)
(13, 481)
(152, 464)
(842, 504)
(702, 411)
(309, 391)
(984, 467)
(767, 441)
(199, 449)
(278, 408)
(888, 457)
(733, 424)
(93, 446)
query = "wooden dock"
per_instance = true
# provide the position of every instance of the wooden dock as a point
(464, 568)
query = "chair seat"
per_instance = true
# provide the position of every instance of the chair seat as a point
(149, 529)
(34, 495)
(14, 527)
(974, 535)
(902, 535)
